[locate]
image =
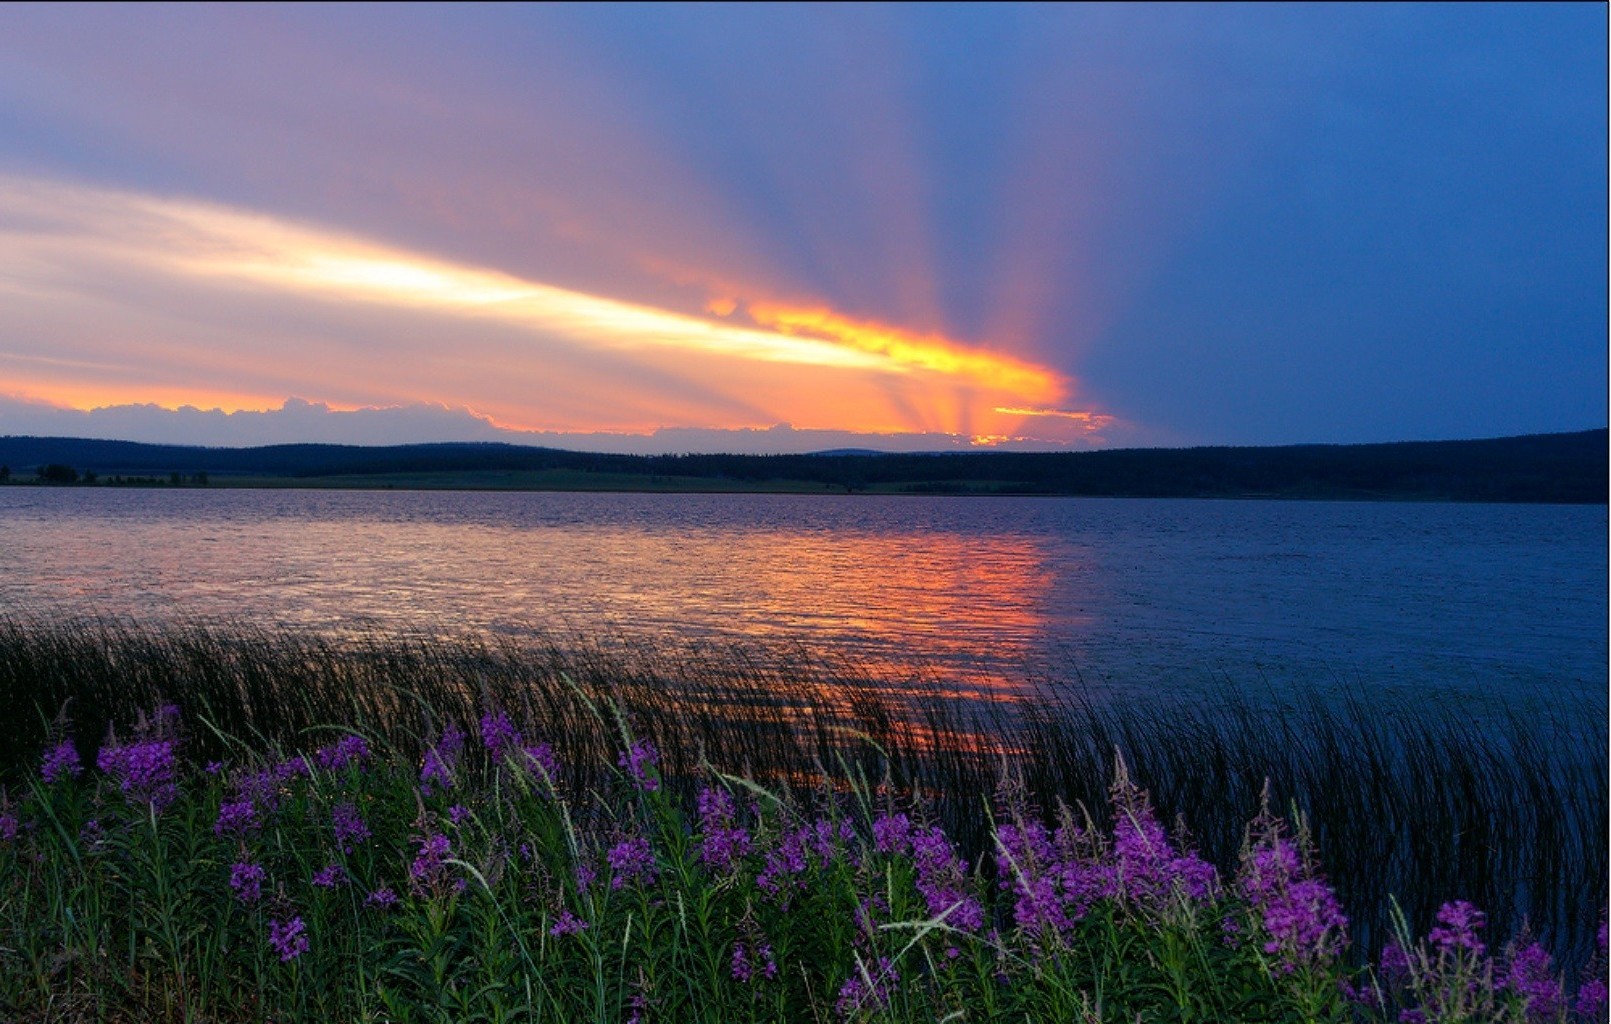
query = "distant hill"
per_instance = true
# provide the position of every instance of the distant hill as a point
(1570, 467)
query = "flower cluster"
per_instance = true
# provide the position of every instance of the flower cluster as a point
(429, 867)
(441, 761)
(632, 860)
(288, 938)
(60, 762)
(351, 749)
(143, 771)
(1297, 912)
(722, 842)
(640, 761)
(746, 956)
(1147, 868)
(942, 879)
(237, 818)
(246, 880)
(867, 987)
(349, 827)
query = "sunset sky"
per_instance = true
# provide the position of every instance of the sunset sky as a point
(803, 227)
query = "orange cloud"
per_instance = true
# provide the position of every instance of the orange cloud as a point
(931, 352)
(122, 298)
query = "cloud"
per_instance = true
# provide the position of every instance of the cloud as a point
(299, 420)
(122, 298)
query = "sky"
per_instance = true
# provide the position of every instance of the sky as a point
(800, 227)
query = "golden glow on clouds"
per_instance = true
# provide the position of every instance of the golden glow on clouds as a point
(931, 351)
(134, 298)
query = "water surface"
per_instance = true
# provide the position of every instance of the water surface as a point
(1474, 603)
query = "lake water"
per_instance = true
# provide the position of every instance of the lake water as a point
(1475, 603)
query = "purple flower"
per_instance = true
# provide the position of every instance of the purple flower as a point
(892, 833)
(384, 899)
(289, 938)
(1591, 1000)
(640, 760)
(144, 772)
(1457, 927)
(1029, 867)
(743, 962)
(61, 762)
(1299, 913)
(632, 860)
(1591, 991)
(865, 987)
(942, 879)
(567, 924)
(330, 877)
(1528, 974)
(498, 733)
(236, 818)
(349, 826)
(540, 760)
(246, 879)
(786, 861)
(350, 749)
(8, 828)
(722, 843)
(1147, 868)
(428, 867)
(1395, 963)
(441, 761)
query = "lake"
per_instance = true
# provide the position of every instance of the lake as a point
(1490, 605)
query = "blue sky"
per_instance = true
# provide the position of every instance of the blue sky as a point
(903, 226)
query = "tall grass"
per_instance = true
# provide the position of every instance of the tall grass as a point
(1413, 803)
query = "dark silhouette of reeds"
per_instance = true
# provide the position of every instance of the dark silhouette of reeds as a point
(1418, 803)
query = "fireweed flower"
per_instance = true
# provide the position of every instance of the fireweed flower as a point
(348, 826)
(1147, 868)
(144, 772)
(8, 828)
(441, 760)
(351, 749)
(60, 762)
(1297, 911)
(236, 818)
(639, 761)
(942, 879)
(1457, 927)
(385, 899)
(289, 938)
(1028, 867)
(744, 961)
(498, 733)
(1529, 974)
(867, 988)
(892, 833)
(428, 867)
(789, 860)
(246, 879)
(1591, 1000)
(540, 760)
(722, 843)
(567, 924)
(632, 860)
(330, 877)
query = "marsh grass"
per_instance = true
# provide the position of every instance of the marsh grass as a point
(1418, 803)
